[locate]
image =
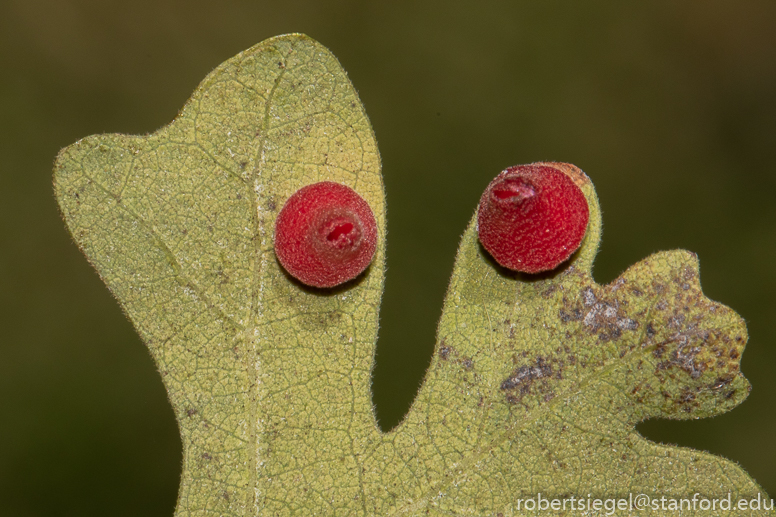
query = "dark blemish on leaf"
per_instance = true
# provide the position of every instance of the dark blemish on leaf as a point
(721, 382)
(650, 330)
(191, 412)
(549, 291)
(684, 359)
(328, 318)
(674, 322)
(207, 456)
(686, 396)
(525, 375)
(444, 351)
(615, 333)
(467, 363)
(603, 317)
(729, 394)
(734, 354)
(571, 315)
(588, 296)
(520, 382)
(224, 277)
(271, 205)
(281, 65)
(687, 400)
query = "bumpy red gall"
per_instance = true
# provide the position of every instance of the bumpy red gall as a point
(531, 218)
(325, 234)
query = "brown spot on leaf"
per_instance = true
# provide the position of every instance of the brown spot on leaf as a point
(675, 322)
(523, 379)
(570, 315)
(686, 396)
(549, 291)
(603, 316)
(525, 375)
(721, 382)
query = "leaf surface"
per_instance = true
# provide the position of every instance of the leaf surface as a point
(536, 382)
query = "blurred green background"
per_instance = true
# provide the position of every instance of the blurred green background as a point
(670, 107)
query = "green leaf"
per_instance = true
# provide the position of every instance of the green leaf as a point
(536, 383)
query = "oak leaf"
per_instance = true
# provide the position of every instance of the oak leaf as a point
(536, 382)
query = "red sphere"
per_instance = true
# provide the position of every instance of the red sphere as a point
(325, 234)
(532, 218)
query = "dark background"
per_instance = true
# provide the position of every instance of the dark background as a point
(670, 107)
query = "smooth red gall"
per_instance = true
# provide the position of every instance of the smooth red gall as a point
(325, 234)
(531, 218)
